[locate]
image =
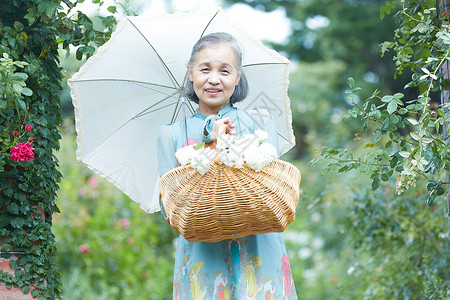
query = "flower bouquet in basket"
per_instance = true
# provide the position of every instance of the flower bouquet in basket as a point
(239, 188)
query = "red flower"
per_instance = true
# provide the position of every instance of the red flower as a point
(31, 139)
(124, 223)
(23, 151)
(84, 248)
(15, 133)
(93, 181)
(28, 128)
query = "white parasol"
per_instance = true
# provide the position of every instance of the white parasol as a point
(133, 85)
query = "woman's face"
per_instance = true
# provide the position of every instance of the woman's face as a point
(214, 75)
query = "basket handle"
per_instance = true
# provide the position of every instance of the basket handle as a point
(220, 135)
(221, 131)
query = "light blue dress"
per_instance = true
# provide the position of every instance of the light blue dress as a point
(252, 267)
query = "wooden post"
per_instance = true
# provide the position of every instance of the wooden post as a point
(445, 98)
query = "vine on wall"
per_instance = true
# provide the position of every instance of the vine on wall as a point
(31, 32)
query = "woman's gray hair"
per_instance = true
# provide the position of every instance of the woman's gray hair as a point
(212, 39)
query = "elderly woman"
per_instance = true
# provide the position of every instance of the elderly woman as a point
(252, 267)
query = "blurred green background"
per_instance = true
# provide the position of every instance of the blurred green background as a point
(347, 242)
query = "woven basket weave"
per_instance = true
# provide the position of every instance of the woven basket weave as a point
(228, 203)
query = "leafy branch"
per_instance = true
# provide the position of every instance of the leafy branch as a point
(411, 129)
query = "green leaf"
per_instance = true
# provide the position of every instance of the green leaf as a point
(13, 208)
(49, 7)
(426, 140)
(404, 154)
(392, 107)
(112, 9)
(25, 289)
(3, 103)
(387, 98)
(17, 88)
(27, 92)
(343, 169)
(13, 264)
(22, 104)
(34, 293)
(431, 186)
(413, 121)
(414, 135)
(375, 183)
(397, 97)
(445, 84)
(18, 26)
(200, 146)
(382, 14)
(18, 272)
(79, 53)
(351, 82)
(377, 137)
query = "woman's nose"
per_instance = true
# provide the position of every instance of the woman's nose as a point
(213, 78)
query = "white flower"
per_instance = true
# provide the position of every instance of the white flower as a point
(247, 141)
(231, 156)
(261, 135)
(225, 141)
(202, 159)
(184, 155)
(199, 159)
(268, 152)
(233, 151)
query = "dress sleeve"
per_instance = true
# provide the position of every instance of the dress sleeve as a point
(166, 148)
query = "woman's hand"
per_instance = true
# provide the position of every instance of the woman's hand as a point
(217, 127)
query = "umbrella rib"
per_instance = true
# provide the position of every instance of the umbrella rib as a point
(136, 116)
(151, 106)
(207, 25)
(178, 109)
(264, 64)
(286, 139)
(146, 112)
(159, 56)
(155, 90)
(127, 80)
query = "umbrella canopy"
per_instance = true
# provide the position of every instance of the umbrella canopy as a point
(133, 85)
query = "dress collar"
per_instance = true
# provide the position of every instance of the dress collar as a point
(226, 109)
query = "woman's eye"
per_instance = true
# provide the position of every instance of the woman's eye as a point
(225, 71)
(204, 70)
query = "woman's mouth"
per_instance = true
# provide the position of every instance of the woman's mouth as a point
(213, 91)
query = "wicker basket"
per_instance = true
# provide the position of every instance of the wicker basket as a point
(228, 203)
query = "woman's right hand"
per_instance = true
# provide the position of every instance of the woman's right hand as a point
(217, 125)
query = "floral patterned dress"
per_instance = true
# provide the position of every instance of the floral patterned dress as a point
(252, 267)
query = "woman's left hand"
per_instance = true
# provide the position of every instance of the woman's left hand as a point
(217, 126)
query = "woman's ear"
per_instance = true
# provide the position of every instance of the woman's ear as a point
(189, 74)
(238, 77)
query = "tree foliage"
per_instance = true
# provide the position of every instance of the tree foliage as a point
(410, 129)
(399, 228)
